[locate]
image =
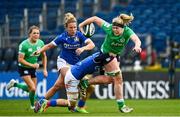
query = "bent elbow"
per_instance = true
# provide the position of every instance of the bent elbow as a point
(95, 18)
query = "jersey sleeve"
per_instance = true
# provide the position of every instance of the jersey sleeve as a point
(22, 48)
(107, 27)
(129, 32)
(82, 37)
(42, 43)
(57, 40)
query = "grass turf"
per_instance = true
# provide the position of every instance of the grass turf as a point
(96, 108)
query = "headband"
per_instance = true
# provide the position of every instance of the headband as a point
(117, 24)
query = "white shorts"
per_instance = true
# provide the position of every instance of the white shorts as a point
(61, 63)
(71, 83)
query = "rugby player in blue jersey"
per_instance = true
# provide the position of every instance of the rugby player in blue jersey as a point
(72, 79)
(71, 43)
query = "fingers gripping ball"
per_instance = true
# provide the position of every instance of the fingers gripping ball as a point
(89, 30)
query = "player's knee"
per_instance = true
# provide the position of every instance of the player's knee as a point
(114, 73)
(118, 79)
(32, 88)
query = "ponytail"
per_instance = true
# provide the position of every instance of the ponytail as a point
(123, 19)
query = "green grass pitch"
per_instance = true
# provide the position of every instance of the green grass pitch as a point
(97, 108)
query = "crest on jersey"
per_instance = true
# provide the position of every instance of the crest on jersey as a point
(76, 39)
(38, 48)
(122, 40)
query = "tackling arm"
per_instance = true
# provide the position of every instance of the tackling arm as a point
(137, 42)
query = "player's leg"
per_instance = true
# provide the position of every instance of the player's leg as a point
(57, 102)
(89, 91)
(31, 83)
(23, 72)
(112, 69)
(59, 84)
(83, 98)
(43, 104)
(84, 95)
(71, 85)
(101, 79)
(14, 83)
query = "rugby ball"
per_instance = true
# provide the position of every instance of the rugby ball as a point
(89, 30)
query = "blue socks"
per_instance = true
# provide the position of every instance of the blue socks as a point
(81, 103)
(53, 103)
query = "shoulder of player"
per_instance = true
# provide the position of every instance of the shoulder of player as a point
(40, 41)
(127, 28)
(61, 36)
(24, 42)
(79, 33)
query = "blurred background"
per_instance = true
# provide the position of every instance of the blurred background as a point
(157, 23)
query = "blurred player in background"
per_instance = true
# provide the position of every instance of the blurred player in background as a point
(71, 43)
(117, 36)
(28, 63)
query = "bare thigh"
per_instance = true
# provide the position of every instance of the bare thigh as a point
(60, 81)
(31, 82)
(112, 66)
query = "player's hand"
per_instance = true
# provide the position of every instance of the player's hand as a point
(36, 65)
(36, 53)
(137, 49)
(45, 73)
(81, 28)
(79, 51)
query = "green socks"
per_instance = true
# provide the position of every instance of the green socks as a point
(31, 97)
(84, 84)
(120, 103)
(24, 87)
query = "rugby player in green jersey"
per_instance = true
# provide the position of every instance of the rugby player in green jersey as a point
(28, 63)
(117, 36)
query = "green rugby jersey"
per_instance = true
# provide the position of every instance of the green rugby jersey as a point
(112, 43)
(27, 48)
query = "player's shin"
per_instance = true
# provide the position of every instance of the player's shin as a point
(62, 102)
(31, 97)
(72, 99)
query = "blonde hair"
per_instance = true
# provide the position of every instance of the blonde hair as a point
(123, 19)
(69, 18)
